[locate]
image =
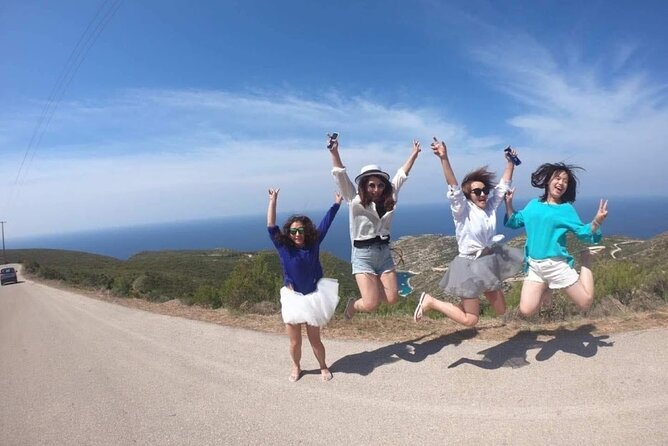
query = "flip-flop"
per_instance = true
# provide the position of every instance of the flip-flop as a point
(418, 308)
(346, 315)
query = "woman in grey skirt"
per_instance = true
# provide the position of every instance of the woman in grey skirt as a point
(482, 263)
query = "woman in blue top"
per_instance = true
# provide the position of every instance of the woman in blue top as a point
(306, 297)
(547, 220)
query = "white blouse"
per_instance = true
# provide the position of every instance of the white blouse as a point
(364, 222)
(475, 227)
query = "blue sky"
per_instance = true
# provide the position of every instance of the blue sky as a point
(115, 113)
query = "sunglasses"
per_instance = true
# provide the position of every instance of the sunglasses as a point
(479, 191)
(299, 230)
(376, 185)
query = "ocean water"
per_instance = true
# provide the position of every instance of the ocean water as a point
(640, 217)
(403, 277)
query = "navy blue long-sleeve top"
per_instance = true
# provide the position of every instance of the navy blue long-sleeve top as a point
(301, 266)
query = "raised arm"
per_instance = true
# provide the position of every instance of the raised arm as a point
(334, 151)
(510, 167)
(441, 151)
(601, 215)
(408, 165)
(271, 209)
(327, 220)
(347, 188)
(508, 199)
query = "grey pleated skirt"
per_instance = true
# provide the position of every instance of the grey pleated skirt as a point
(469, 278)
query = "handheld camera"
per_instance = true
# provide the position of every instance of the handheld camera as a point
(516, 161)
(332, 138)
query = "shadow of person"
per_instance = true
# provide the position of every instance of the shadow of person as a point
(510, 353)
(579, 341)
(415, 352)
(364, 363)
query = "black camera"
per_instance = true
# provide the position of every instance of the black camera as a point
(516, 161)
(332, 138)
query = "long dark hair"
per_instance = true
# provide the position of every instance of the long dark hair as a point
(542, 176)
(387, 202)
(483, 175)
(310, 231)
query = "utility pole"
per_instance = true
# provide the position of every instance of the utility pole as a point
(4, 257)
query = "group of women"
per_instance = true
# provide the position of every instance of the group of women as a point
(483, 263)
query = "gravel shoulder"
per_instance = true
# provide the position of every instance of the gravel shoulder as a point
(77, 370)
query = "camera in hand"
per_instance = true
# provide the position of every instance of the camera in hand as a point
(516, 161)
(332, 138)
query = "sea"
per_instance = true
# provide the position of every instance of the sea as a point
(641, 218)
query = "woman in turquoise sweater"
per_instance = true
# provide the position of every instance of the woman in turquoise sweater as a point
(547, 220)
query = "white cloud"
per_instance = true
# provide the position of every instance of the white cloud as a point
(612, 122)
(142, 156)
(152, 156)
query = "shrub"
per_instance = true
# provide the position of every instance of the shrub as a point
(160, 287)
(251, 280)
(205, 296)
(51, 273)
(618, 279)
(121, 286)
(31, 267)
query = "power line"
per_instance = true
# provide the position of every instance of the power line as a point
(96, 25)
(4, 257)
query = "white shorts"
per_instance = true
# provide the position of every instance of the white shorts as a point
(555, 272)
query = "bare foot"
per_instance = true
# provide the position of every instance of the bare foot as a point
(326, 374)
(295, 375)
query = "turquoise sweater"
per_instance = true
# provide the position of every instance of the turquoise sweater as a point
(546, 226)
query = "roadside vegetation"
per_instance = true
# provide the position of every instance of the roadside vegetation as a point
(244, 281)
(636, 279)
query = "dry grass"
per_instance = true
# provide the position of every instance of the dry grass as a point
(389, 329)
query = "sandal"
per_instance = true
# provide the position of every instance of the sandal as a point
(418, 309)
(349, 305)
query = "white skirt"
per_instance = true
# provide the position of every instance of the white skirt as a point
(315, 308)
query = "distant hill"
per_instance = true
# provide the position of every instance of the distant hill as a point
(212, 278)
(630, 275)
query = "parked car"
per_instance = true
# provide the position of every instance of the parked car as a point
(8, 275)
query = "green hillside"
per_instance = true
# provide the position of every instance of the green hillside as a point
(630, 275)
(213, 278)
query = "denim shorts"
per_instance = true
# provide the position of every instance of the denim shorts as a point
(374, 259)
(555, 272)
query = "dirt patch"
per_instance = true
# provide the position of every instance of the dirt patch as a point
(385, 328)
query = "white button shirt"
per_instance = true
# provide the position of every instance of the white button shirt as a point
(364, 222)
(475, 227)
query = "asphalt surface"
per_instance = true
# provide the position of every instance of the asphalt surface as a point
(75, 370)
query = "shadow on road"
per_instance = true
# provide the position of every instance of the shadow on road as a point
(513, 352)
(413, 351)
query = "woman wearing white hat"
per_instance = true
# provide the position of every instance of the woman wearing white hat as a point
(371, 206)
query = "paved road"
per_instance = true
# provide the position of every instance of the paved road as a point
(75, 370)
